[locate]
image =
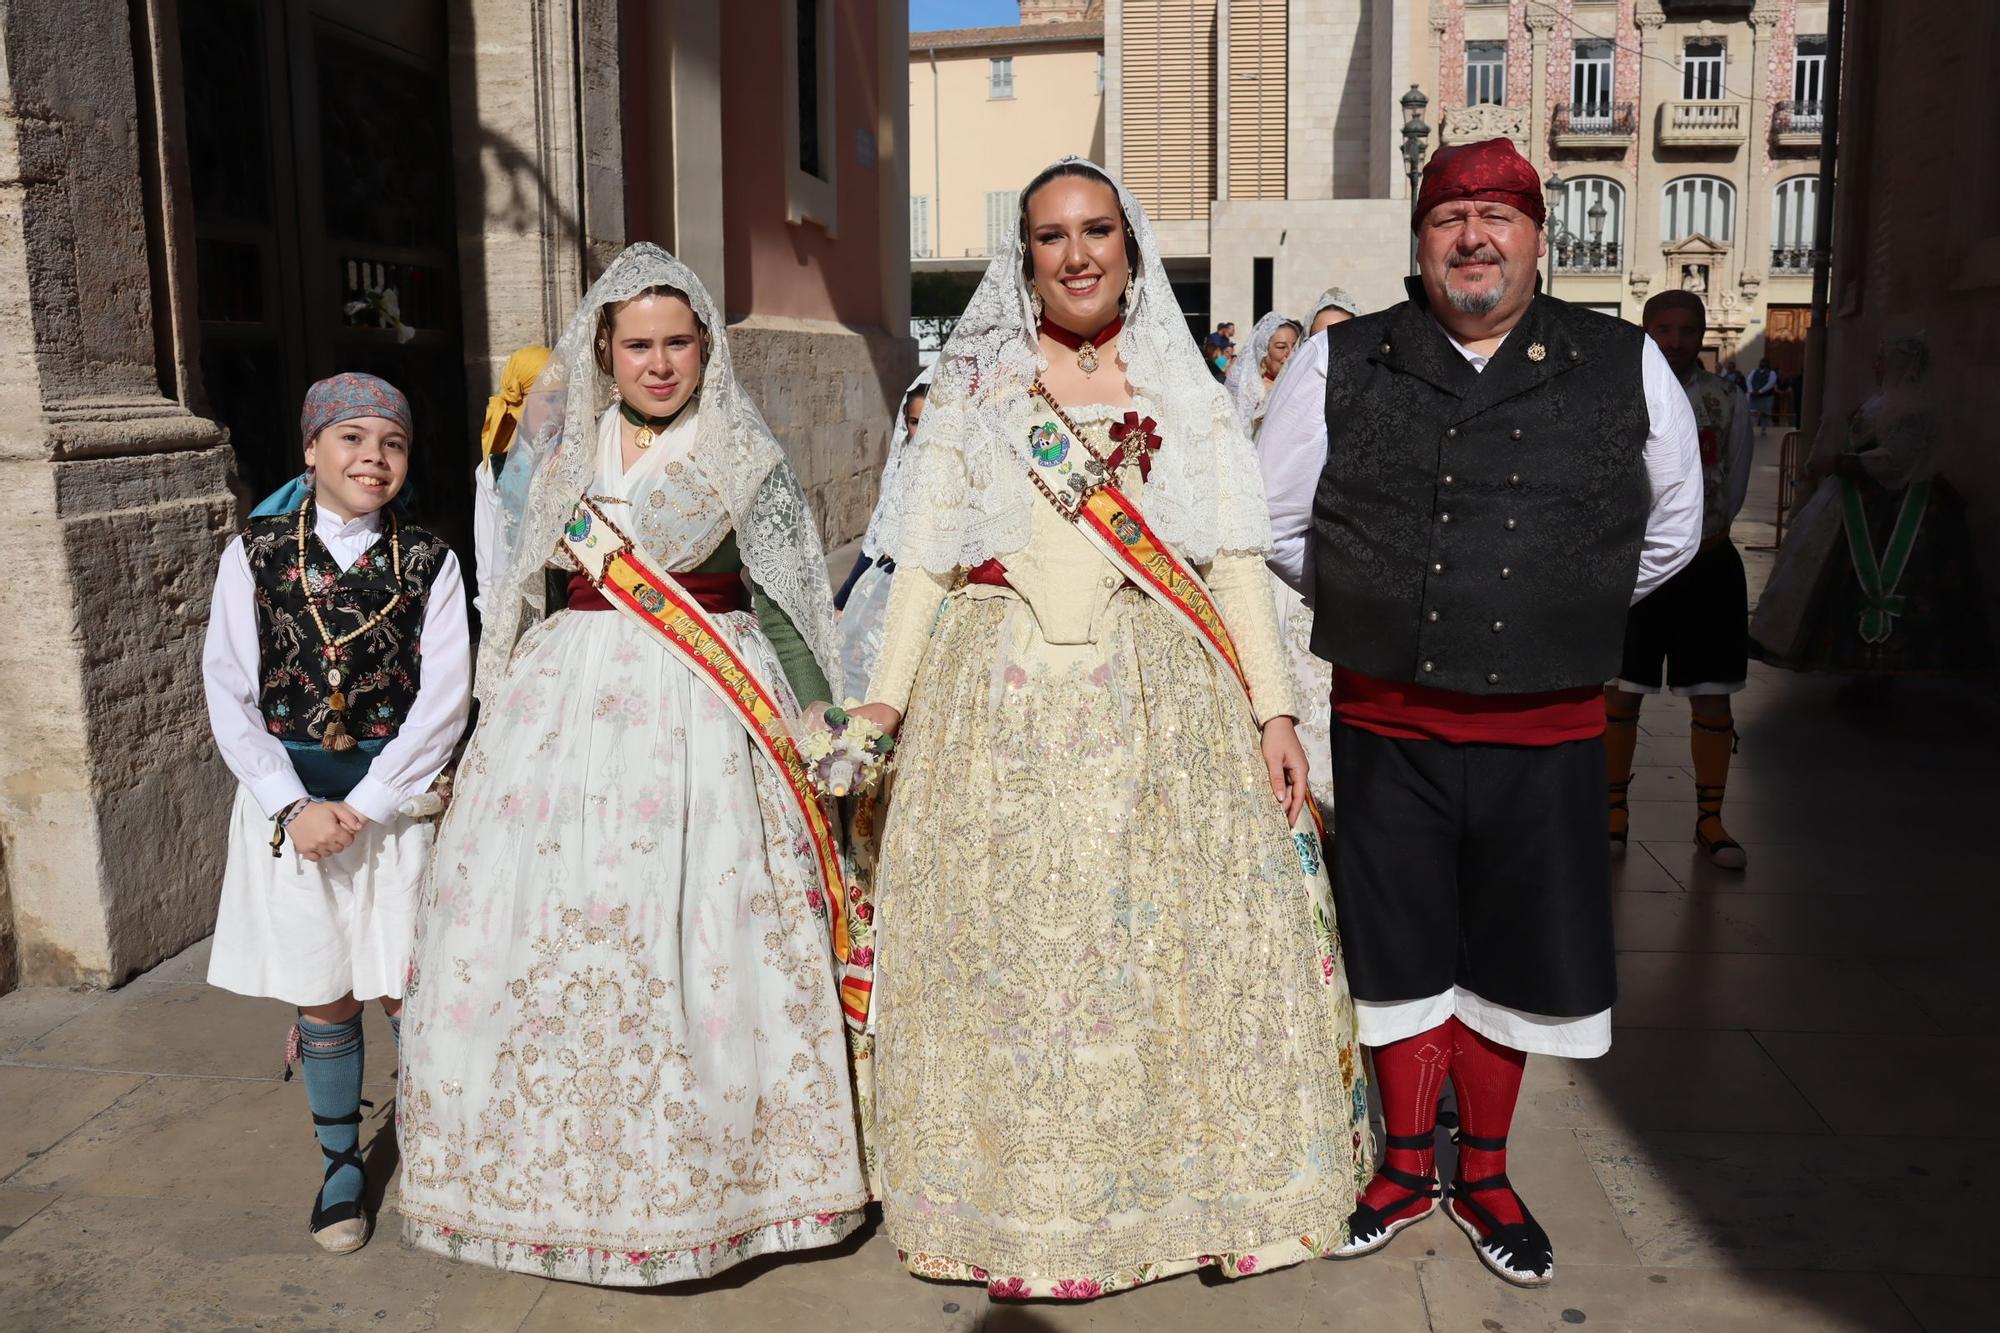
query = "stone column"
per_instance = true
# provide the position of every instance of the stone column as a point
(1539, 22)
(1753, 224)
(540, 183)
(1643, 204)
(114, 505)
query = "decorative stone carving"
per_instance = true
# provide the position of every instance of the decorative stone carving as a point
(1470, 124)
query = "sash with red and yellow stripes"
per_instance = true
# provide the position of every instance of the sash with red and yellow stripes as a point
(1071, 476)
(619, 569)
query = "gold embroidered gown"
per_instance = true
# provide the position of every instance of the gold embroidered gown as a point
(1113, 1038)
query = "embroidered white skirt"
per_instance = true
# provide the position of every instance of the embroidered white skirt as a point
(1312, 686)
(309, 932)
(623, 1056)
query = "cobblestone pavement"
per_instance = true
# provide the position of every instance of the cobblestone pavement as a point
(1791, 1132)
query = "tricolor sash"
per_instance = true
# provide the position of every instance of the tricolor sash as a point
(1070, 476)
(616, 566)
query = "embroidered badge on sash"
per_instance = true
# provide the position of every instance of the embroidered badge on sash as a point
(1049, 445)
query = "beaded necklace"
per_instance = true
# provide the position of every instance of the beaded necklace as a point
(335, 736)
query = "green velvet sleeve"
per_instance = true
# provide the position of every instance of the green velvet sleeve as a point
(801, 667)
(802, 671)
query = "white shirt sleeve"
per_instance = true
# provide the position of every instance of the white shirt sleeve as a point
(1292, 450)
(1742, 449)
(230, 660)
(423, 744)
(486, 527)
(1673, 467)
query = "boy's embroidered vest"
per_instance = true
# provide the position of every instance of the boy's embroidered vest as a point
(383, 668)
(1715, 405)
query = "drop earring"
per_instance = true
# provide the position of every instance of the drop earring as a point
(1035, 300)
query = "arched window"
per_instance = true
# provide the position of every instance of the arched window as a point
(1794, 209)
(1580, 245)
(1705, 204)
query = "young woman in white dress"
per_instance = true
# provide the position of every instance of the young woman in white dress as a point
(624, 1059)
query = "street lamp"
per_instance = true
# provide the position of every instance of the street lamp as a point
(1597, 215)
(1416, 137)
(1553, 187)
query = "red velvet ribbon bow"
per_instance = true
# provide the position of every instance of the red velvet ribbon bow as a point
(1134, 435)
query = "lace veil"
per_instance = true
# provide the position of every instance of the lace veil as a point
(899, 440)
(961, 492)
(734, 453)
(1246, 373)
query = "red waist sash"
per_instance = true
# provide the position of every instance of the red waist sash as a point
(716, 593)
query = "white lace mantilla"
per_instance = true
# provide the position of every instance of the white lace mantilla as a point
(961, 492)
(555, 455)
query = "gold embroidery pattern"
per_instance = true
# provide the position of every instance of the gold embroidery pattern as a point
(1108, 1046)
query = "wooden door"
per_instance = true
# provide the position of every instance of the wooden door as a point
(321, 162)
(1785, 337)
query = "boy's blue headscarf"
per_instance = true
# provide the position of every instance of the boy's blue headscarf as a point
(333, 400)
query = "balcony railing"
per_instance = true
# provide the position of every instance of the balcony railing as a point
(1700, 124)
(1798, 124)
(1791, 259)
(1593, 125)
(1580, 256)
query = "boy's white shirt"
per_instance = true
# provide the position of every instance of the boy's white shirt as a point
(231, 660)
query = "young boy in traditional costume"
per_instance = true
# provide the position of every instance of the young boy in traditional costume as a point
(336, 670)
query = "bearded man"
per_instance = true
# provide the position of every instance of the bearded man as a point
(1472, 487)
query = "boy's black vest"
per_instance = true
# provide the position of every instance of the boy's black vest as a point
(381, 670)
(1479, 531)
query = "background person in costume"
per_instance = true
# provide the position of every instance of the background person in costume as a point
(503, 419)
(1334, 306)
(1488, 478)
(337, 674)
(1112, 1035)
(1696, 624)
(1878, 576)
(864, 598)
(626, 1058)
(1251, 377)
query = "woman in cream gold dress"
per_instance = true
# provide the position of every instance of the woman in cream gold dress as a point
(624, 1061)
(1113, 1039)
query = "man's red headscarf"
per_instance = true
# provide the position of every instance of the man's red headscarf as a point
(1492, 170)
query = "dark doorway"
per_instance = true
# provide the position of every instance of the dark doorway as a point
(320, 159)
(1262, 284)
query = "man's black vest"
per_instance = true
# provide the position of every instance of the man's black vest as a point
(1480, 531)
(383, 669)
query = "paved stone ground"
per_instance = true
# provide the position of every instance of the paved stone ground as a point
(1792, 1132)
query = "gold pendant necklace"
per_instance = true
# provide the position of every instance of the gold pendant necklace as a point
(335, 736)
(649, 428)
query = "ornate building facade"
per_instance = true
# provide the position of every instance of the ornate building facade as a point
(207, 204)
(1684, 136)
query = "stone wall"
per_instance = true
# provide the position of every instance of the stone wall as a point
(1360, 244)
(114, 502)
(829, 393)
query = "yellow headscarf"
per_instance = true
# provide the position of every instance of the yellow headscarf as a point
(516, 378)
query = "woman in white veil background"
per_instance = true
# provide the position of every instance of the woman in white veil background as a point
(1251, 377)
(863, 600)
(624, 1058)
(1113, 1039)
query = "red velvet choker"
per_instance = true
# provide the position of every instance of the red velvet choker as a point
(1075, 341)
(1085, 348)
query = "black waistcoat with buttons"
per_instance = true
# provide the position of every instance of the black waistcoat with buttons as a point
(1479, 531)
(382, 669)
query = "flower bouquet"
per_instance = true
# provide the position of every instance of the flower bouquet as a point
(845, 755)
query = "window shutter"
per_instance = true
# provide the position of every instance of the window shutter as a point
(1257, 72)
(1000, 205)
(920, 226)
(1168, 68)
